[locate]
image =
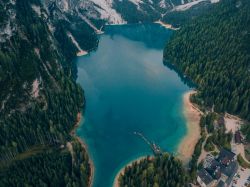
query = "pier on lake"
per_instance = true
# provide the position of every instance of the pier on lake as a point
(154, 147)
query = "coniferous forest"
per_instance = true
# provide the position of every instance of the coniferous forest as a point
(164, 171)
(213, 51)
(41, 100)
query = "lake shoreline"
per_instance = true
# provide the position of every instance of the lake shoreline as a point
(82, 53)
(166, 25)
(188, 142)
(192, 115)
(84, 146)
(147, 80)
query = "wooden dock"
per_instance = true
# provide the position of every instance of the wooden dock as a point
(154, 147)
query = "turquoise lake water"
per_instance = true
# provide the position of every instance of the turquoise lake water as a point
(128, 89)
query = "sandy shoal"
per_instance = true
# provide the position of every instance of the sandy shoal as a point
(192, 115)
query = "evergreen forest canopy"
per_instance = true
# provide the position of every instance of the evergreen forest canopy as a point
(158, 171)
(50, 167)
(40, 100)
(213, 51)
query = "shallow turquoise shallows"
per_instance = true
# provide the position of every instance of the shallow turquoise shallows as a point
(127, 90)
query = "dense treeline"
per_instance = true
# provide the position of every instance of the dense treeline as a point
(30, 58)
(50, 168)
(156, 172)
(39, 101)
(213, 51)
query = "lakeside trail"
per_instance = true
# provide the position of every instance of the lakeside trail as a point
(192, 115)
(121, 172)
(73, 133)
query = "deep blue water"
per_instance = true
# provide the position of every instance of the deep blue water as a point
(127, 89)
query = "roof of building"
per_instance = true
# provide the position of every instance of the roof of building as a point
(215, 164)
(214, 169)
(225, 156)
(230, 170)
(205, 176)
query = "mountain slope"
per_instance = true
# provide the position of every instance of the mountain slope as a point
(133, 11)
(39, 102)
(123, 11)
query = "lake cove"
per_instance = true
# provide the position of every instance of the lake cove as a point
(127, 90)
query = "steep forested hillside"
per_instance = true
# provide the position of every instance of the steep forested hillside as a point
(50, 167)
(39, 100)
(213, 51)
(179, 18)
(160, 171)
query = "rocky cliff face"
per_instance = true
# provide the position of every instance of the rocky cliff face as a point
(123, 11)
